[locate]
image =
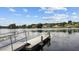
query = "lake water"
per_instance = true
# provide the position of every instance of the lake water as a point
(61, 39)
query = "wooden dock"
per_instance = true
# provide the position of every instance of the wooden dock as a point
(27, 45)
(33, 43)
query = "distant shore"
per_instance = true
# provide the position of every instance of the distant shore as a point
(42, 28)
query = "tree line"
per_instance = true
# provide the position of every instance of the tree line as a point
(45, 25)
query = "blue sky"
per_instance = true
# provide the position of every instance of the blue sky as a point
(31, 15)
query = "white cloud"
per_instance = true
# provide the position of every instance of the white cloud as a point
(17, 14)
(48, 12)
(28, 16)
(42, 8)
(36, 16)
(52, 9)
(31, 16)
(12, 9)
(57, 17)
(47, 18)
(25, 10)
(74, 13)
(60, 8)
(74, 18)
(6, 21)
(2, 18)
(61, 17)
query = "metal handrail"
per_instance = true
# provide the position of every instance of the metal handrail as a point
(12, 35)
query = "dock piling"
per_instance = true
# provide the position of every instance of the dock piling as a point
(41, 41)
(41, 38)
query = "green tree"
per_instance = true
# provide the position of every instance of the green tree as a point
(24, 26)
(12, 26)
(39, 25)
(69, 22)
(64, 23)
(29, 26)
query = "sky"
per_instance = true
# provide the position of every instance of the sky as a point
(34, 15)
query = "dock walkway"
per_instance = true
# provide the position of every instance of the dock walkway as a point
(33, 42)
(20, 44)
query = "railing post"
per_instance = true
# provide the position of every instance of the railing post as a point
(15, 36)
(28, 34)
(25, 36)
(11, 42)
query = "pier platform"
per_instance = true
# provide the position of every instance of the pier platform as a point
(27, 45)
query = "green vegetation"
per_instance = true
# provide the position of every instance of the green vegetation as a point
(11, 26)
(68, 24)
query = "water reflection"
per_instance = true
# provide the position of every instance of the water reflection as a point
(69, 31)
(46, 43)
(62, 40)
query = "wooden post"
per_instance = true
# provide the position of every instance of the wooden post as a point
(41, 38)
(41, 41)
(11, 42)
